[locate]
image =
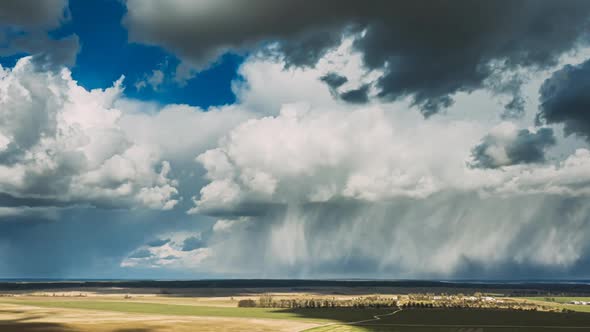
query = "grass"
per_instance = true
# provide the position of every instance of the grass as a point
(559, 299)
(322, 315)
(561, 302)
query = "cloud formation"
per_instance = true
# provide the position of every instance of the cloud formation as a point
(192, 243)
(508, 145)
(61, 143)
(564, 99)
(25, 25)
(182, 251)
(303, 177)
(427, 51)
(337, 190)
(440, 237)
(310, 156)
(32, 13)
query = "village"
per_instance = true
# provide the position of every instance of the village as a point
(579, 303)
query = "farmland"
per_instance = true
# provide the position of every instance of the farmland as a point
(311, 309)
(34, 314)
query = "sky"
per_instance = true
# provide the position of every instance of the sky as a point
(294, 139)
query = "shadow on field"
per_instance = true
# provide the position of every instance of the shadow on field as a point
(448, 320)
(24, 325)
(343, 315)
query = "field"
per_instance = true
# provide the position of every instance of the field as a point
(114, 310)
(146, 312)
(468, 320)
(562, 302)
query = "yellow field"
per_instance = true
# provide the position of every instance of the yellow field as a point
(27, 318)
(145, 312)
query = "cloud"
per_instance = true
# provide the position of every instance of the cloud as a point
(172, 128)
(154, 80)
(32, 13)
(294, 176)
(378, 191)
(29, 21)
(440, 237)
(356, 96)
(315, 155)
(564, 99)
(334, 80)
(158, 242)
(183, 250)
(63, 143)
(508, 145)
(142, 253)
(225, 225)
(49, 53)
(485, 37)
(192, 243)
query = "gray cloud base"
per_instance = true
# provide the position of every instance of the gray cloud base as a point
(526, 147)
(29, 21)
(565, 99)
(427, 50)
(444, 236)
(33, 13)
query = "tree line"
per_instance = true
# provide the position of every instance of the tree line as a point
(369, 302)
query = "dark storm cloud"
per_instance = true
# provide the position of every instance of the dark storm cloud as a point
(515, 108)
(429, 50)
(141, 253)
(334, 80)
(356, 96)
(29, 21)
(7, 200)
(49, 53)
(565, 98)
(355, 239)
(192, 243)
(527, 147)
(158, 242)
(33, 13)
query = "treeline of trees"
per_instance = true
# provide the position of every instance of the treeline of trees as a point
(515, 306)
(268, 301)
(431, 296)
(417, 305)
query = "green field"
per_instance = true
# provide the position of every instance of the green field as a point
(559, 299)
(561, 302)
